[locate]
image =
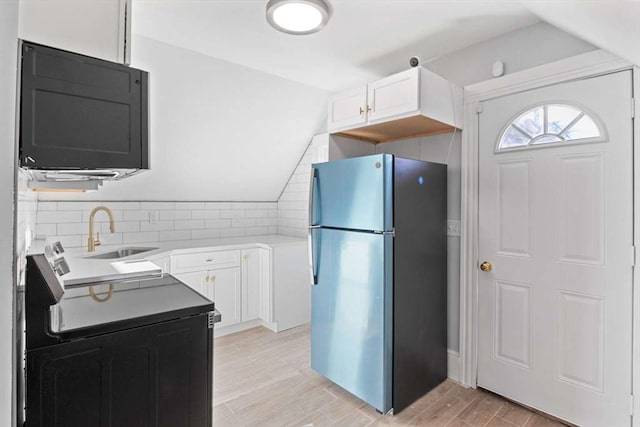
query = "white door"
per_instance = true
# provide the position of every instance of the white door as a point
(555, 222)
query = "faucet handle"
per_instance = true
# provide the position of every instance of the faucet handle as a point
(96, 242)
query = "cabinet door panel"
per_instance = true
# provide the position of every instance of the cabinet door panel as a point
(250, 284)
(347, 109)
(156, 375)
(394, 95)
(226, 287)
(195, 280)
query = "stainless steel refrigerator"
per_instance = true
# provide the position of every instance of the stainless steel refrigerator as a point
(377, 241)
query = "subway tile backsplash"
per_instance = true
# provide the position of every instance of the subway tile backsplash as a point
(147, 222)
(140, 222)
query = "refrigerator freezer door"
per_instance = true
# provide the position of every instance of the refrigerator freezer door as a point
(354, 193)
(351, 330)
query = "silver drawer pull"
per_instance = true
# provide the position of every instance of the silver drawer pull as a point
(209, 260)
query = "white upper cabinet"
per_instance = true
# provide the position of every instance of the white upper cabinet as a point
(412, 103)
(97, 28)
(392, 96)
(348, 109)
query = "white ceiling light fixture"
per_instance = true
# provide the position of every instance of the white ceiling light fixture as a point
(297, 16)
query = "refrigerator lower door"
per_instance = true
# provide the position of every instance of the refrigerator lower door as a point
(351, 330)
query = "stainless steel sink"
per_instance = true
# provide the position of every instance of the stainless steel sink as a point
(120, 253)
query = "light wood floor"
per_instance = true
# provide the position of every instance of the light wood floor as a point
(264, 379)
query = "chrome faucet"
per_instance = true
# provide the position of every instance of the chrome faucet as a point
(91, 246)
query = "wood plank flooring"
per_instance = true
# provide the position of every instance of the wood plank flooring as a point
(264, 379)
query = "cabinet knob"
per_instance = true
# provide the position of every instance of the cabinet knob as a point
(368, 108)
(246, 257)
(361, 111)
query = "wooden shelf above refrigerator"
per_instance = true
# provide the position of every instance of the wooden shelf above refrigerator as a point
(409, 127)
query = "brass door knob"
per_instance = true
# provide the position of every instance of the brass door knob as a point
(486, 266)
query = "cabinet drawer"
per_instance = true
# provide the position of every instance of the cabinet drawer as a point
(204, 260)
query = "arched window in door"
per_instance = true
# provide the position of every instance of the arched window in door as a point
(550, 124)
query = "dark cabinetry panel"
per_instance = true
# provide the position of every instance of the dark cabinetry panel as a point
(79, 112)
(156, 375)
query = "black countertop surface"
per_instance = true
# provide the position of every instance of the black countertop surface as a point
(103, 308)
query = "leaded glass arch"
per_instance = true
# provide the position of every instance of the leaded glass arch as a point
(550, 124)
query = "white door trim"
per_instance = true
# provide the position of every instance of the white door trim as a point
(636, 242)
(577, 67)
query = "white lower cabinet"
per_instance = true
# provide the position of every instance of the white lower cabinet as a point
(252, 286)
(225, 290)
(251, 268)
(222, 286)
(195, 280)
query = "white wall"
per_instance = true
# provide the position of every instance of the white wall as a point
(521, 49)
(218, 131)
(8, 53)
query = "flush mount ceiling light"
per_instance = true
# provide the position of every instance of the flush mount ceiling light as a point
(297, 16)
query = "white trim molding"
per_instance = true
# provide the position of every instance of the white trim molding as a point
(453, 365)
(636, 243)
(578, 67)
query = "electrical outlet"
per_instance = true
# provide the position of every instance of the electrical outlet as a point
(453, 228)
(153, 217)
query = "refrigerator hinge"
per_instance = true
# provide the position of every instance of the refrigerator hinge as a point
(631, 404)
(633, 256)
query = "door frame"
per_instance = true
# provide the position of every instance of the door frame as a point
(582, 66)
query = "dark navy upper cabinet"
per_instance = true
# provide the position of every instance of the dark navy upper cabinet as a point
(78, 112)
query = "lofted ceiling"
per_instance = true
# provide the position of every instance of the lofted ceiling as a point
(364, 39)
(367, 39)
(235, 128)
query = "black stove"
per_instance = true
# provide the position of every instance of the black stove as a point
(138, 351)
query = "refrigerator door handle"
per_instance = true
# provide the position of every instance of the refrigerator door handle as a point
(312, 183)
(312, 274)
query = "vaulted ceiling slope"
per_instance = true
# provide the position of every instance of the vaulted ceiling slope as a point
(234, 102)
(364, 40)
(612, 25)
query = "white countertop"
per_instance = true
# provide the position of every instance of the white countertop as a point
(85, 270)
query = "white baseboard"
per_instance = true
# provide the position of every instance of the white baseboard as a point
(226, 330)
(453, 365)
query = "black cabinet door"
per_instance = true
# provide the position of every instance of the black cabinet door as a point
(78, 112)
(156, 375)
